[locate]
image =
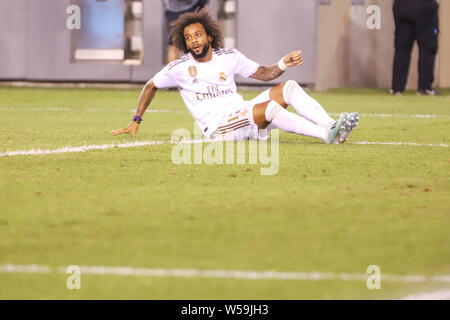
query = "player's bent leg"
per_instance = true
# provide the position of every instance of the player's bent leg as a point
(276, 94)
(260, 98)
(304, 104)
(272, 113)
(259, 115)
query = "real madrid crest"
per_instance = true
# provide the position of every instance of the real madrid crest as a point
(222, 77)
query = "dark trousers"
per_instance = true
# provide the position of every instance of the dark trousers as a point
(415, 20)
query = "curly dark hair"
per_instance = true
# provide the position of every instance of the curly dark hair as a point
(202, 16)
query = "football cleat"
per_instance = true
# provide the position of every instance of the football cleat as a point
(350, 123)
(334, 132)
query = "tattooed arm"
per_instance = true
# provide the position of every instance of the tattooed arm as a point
(267, 73)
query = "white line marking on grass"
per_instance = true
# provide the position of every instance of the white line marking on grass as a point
(32, 268)
(223, 274)
(132, 110)
(69, 149)
(437, 295)
(88, 110)
(389, 115)
(79, 149)
(35, 109)
(444, 145)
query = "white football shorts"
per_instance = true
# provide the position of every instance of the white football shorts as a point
(239, 124)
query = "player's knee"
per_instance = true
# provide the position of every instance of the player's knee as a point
(289, 88)
(272, 110)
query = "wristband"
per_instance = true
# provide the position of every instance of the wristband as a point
(282, 65)
(137, 119)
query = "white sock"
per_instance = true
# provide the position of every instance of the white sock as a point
(305, 105)
(290, 122)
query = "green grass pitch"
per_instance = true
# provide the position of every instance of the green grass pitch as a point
(329, 209)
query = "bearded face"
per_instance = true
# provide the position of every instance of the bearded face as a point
(197, 41)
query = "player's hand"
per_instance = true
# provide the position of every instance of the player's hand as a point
(295, 58)
(132, 129)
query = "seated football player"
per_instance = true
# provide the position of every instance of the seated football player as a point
(205, 78)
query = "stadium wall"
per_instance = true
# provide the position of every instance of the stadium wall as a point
(333, 45)
(36, 45)
(444, 43)
(278, 28)
(338, 47)
(349, 54)
(13, 39)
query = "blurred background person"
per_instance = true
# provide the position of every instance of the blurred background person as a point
(415, 20)
(173, 9)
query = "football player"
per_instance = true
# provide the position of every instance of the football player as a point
(205, 78)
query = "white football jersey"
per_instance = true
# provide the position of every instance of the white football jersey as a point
(207, 88)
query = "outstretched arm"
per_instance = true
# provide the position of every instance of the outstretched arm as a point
(267, 73)
(146, 96)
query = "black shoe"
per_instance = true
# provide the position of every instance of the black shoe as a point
(428, 92)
